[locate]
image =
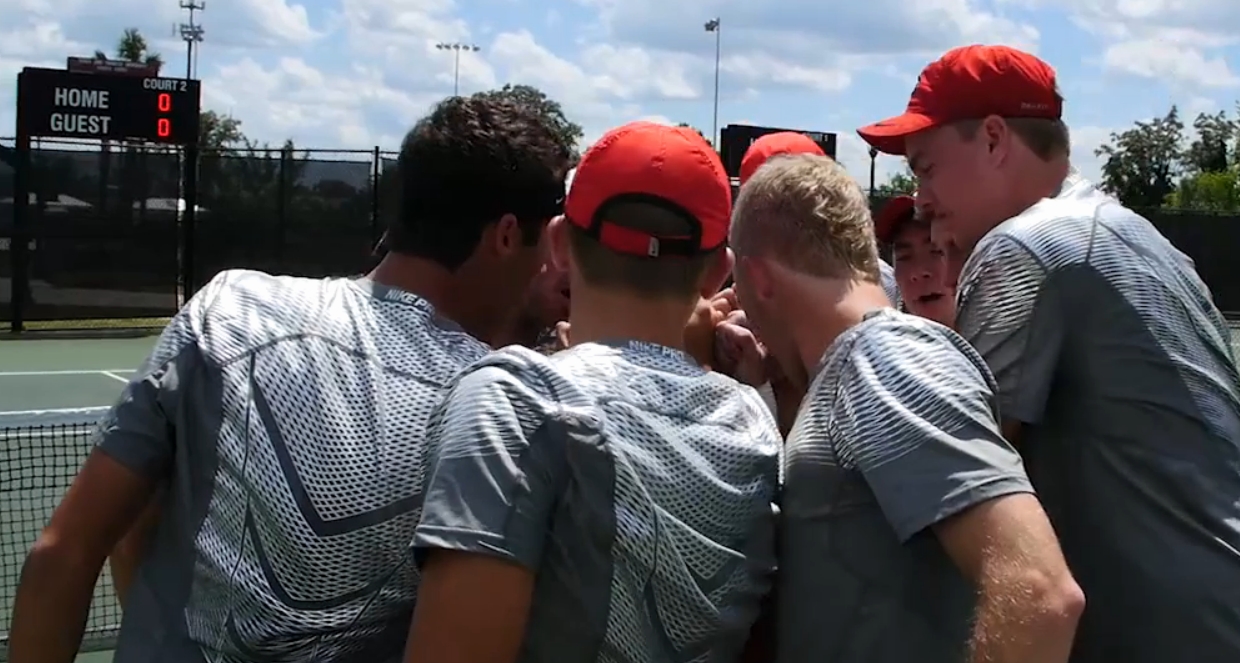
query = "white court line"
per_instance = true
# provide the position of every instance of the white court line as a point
(114, 376)
(106, 371)
(51, 411)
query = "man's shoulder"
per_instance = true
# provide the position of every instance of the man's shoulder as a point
(902, 355)
(525, 375)
(240, 292)
(1054, 230)
(893, 339)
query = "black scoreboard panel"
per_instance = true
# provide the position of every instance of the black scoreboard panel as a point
(735, 139)
(63, 104)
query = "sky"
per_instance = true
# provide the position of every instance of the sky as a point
(353, 74)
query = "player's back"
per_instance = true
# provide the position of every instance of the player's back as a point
(299, 425)
(665, 535)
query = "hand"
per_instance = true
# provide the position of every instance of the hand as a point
(561, 334)
(738, 352)
(700, 331)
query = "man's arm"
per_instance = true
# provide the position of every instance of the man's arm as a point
(58, 578)
(494, 477)
(918, 413)
(133, 455)
(1010, 312)
(128, 554)
(1028, 603)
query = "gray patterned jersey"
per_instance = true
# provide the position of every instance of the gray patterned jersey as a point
(1108, 347)
(899, 430)
(637, 485)
(887, 276)
(289, 415)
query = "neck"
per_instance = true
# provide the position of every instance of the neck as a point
(1041, 180)
(834, 307)
(523, 330)
(597, 315)
(447, 291)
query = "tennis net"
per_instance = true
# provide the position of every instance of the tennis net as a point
(42, 451)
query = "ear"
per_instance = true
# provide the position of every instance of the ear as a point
(758, 278)
(506, 240)
(557, 243)
(997, 137)
(716, 273)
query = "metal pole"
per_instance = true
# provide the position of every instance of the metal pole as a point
(19, 243)
(456, 49)
(714, 132)
(192, 33)
(873, 167)
(456, 73)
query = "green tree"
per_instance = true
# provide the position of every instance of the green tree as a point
(218, 132)
(1210, 169)
(1143, 163)
(570, 132)
(1207, 192)
(1210, 150)
(132, 47)
(898, 184)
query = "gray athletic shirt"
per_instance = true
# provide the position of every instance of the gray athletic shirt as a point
(899, 431)
(287, 416)
(1106, 344)
(636, 484)
(887, 275)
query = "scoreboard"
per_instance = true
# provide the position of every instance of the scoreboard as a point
(735, 139)
(64, 104)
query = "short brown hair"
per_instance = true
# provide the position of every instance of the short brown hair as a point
(810, 214)
(659, 277)
(1048, 139)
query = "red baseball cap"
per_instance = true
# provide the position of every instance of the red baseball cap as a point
(971, 83)
(895, 213)
(673, 167)
(783, 142)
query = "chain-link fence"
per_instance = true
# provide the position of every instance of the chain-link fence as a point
(1208, 238)
(105, 225)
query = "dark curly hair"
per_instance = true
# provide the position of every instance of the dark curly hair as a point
(468, 163)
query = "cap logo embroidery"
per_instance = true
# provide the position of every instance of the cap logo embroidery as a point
(652, 249)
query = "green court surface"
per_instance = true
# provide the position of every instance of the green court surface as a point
(44, 384)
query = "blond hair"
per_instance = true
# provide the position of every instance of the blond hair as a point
(806, 212)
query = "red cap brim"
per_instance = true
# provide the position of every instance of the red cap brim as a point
(888, 135)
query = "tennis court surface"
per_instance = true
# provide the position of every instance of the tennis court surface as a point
(52, 393)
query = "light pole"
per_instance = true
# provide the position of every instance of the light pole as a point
(713, 26)
(873, 168)
(191, 33)
(456, 49)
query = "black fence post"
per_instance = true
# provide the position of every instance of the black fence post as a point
(19, 257)
(375, 172)
(282, 207)
(189, 218)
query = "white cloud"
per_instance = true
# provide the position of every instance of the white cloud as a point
(356, 73)
(1183, 42)
(1164, 59)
